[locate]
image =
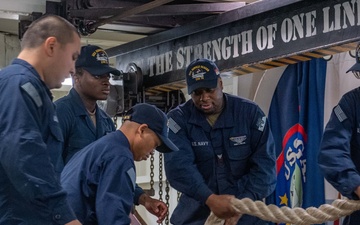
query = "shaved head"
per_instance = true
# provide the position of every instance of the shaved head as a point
(48, 26)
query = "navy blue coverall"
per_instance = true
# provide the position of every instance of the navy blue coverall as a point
(339, 156)
(30, 151)
(100, 181)
(236, 156)
(76, 125)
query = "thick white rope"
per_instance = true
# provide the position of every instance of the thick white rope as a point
(298, 216)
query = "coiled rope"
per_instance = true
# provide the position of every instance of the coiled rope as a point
(298, 216)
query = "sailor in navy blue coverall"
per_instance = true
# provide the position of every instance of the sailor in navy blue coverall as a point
(96, 177)
(100, 179)
(225, 148)
(81, 120)
(30, 135)
(339, 156)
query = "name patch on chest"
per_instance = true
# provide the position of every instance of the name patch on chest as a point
(199, 143)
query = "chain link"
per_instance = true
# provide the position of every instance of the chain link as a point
(115, 121)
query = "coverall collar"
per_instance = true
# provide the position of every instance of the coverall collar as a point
(225, 120)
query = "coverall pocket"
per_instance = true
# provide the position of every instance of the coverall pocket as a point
(238, 158)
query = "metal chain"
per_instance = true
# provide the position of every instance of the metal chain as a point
(167, 202)
(152, 173)
(160, 176)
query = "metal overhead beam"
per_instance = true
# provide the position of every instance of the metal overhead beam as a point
(114, 3)
(130, 12)
(163, 10)
(87, 19)
(198, 8)
(114, 36)
(166, 22)
(152, 21)
(130, 29)
(165, 16)
(201, 25)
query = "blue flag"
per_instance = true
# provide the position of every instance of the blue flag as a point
(296, 121)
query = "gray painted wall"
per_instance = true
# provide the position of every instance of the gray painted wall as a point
(9, 48)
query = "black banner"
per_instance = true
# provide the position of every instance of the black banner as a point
(298, 27)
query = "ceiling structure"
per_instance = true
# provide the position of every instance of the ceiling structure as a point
(118, 23)
(110, 23)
